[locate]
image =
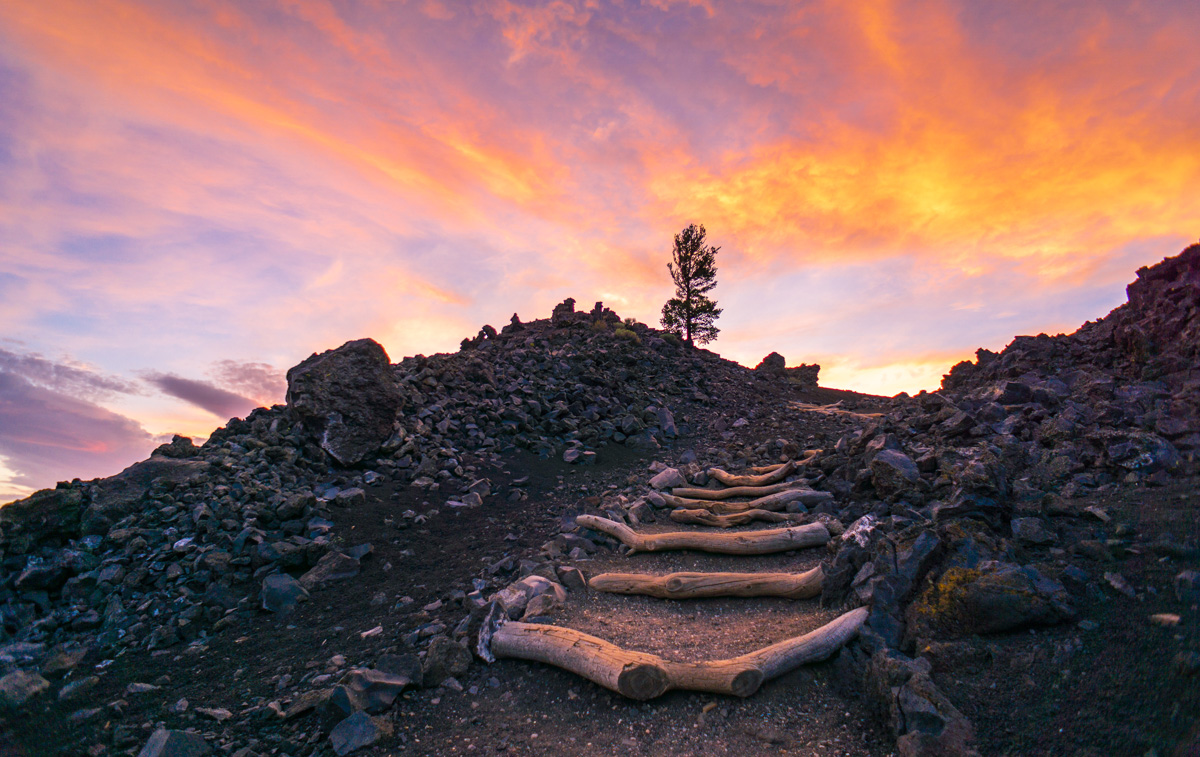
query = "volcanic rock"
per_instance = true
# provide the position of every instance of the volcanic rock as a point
(347, 397)
(164, 743)
(18, 687)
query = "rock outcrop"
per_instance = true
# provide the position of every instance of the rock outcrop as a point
(347, 397)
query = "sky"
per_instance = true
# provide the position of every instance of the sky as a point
(195, 196)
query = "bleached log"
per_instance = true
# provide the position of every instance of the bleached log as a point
(707, 518)
(737, 543)
(809, 456)
(704, 585)
(642, 676)
(763, 479)
(777, 501)
(736, 491)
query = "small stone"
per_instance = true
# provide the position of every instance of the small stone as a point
(1098, 513)
(357, 731)
(218, 714)
(164, 743)
(1031, 531)
(77, 688)
(893, 472)
(1165, 619)
(1118, 582)
(281, 593)
(572, 578)
(1186, 663)
(445, 658)
(140, 688)
(18, 687)
(1088, 625)
(1187, 587)
(334, 566)
(668, 479)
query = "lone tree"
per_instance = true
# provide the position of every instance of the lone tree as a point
(693, 268)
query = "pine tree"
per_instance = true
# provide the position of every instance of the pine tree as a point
(690, 313)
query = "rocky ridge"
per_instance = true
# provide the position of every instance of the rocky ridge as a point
(963, 513)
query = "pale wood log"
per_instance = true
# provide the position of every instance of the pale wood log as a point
(642, 676)
(707, 518)
(636, 675)
(821, 644)
(703, 585)
(809, 455)
(777, 501)
(763, 479)
(834, 409)
(736, 491)
(739, 543)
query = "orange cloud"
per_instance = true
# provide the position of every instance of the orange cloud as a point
(967, 155)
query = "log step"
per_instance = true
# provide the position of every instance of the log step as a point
(643, 676)
(736, 491)
(776, 501)
(763, 479)
(706, 518)
(763, 542)
(704, 585)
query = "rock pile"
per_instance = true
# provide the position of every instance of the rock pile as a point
(954, 513)
(176, 547)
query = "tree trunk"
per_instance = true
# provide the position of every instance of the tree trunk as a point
(764, 479)
(642, 676)
(706, 518)
(703, 585)
(741, 543)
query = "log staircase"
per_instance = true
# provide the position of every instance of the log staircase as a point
(760, 495)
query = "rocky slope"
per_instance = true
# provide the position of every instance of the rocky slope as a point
(1048, 486)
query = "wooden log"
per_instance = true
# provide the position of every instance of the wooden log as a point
(763, 479)
(777, 501)
(736, 491)
(707, 518)
(642, 676)
(703, 585)
(636, 675)
(821, 644)
(809, 455)
(761, 542)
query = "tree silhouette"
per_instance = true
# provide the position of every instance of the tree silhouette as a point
(690, 313)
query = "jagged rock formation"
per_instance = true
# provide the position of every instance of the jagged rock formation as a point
(775, 366)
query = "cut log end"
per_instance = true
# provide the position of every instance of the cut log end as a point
(747, 682)
(642, 681)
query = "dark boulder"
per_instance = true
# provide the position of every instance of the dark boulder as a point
(993, 598)
(347, 398)
(772, 365)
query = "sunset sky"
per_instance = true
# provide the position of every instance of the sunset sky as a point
(195, 196)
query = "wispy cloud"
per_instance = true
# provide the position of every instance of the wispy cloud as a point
(220, 402)
(259, 382)
(46, 435)
(68, 377)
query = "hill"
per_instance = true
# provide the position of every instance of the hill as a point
(314, 578)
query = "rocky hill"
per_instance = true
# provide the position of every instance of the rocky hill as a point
(312, 578)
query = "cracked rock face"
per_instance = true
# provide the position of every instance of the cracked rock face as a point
(347, 397)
